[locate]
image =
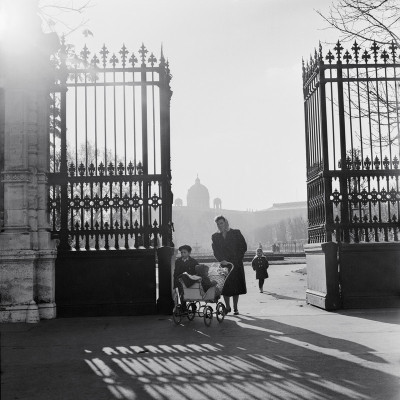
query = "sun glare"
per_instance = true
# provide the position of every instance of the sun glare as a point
(14, 25)
(3, 21)
(9, 19)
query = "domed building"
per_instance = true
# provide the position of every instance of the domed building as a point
(194, 222)
(198, 196)
(178, 202)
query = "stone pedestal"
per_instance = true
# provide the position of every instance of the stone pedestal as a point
(45, 284)
(322, 275)
(17, 284)
(27, 253)
(353, 275)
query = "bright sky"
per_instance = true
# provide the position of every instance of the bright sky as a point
(237, 109)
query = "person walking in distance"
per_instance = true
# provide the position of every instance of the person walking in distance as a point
(260, 265)
(229, 246)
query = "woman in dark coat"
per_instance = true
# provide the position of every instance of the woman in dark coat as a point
(229, 246)
(260, 265)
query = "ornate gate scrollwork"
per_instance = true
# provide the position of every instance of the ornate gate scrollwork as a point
(110, 180)
(352, 113)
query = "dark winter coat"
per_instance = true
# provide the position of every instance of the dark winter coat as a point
(232, 249)
(260, 265)
(181, 266)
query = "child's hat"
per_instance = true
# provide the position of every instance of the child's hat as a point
(185, 247)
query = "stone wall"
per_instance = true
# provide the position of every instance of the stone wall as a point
(27, 253)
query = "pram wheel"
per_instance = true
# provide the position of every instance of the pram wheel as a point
(191, 311)
(201, 311)
(177, 314)
(220, 312)
(208, 314)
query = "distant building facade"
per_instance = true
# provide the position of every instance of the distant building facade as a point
(194, 223)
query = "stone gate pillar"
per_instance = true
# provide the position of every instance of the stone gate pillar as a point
(27, 253)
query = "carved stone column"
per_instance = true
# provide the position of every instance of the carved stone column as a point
(27, 253)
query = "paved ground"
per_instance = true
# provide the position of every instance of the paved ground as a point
(278, 348)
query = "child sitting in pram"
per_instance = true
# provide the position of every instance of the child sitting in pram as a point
(183, 264)
(188, 270)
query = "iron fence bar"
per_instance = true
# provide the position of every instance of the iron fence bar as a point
(145, 222)
(397, 109)
(379, 117)
(369, 203)
(333, 119)
(64, 245)
(111, 209)
(319, 130)
(342, 132)
(154, 122)
(121, 216)
(388, 119)
(327, 183)
(101, 210)
(54, 132)
(168, 194)
(164, 150)
(86, 126)
(398, 203)
(124, 119)
(144, 123)
(379, 203)
(351, 157)
(360, 120)
(134, 120)
(76, 120)
(95, 128)
(350, 119)
(314, 131)
(309, 133)
(369, 114)
(104, 52)
(141, 224)
(160, 208)
(306, 129)
(115, 122)
(91, 208)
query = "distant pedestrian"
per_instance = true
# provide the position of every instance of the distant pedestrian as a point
(260, 265)
(229, 246)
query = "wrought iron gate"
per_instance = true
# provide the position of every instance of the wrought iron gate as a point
(110, 155)
(352, 126)
(110, 174)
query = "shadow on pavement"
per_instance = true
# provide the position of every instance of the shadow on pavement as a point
(388, 316)
(148, 358)
(282, 297)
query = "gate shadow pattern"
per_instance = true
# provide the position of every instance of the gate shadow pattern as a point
(270, 360)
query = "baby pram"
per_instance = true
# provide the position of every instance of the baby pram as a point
(196, 300)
